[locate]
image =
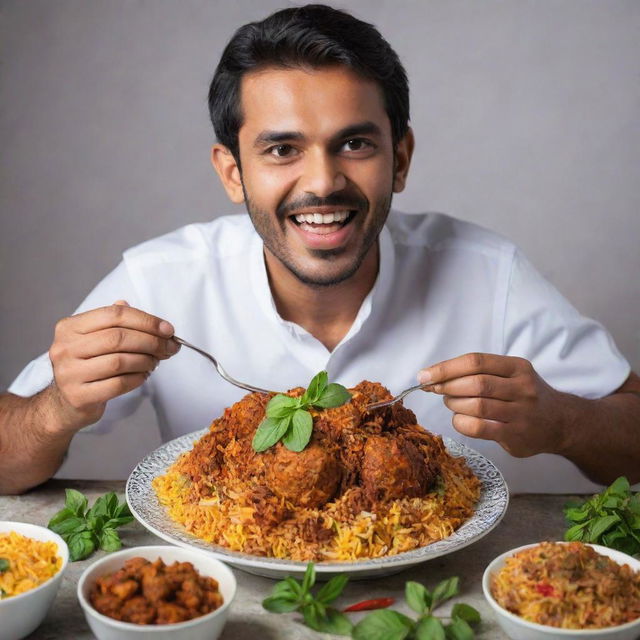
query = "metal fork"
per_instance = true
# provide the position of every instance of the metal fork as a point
(388, 403)
(221, 371)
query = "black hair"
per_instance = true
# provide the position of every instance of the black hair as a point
(315, 36)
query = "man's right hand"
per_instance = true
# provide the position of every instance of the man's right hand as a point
(101, 354)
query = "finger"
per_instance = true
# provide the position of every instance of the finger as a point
(479, 386)
(117, 315)
(117, 364)
(105, 390)
(478, 427)
(119, 340)
(123, 303)
(470, 364)
(486, 408)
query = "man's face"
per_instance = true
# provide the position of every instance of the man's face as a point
(317, 168)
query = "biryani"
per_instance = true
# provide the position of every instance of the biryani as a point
(567, 585)
(366, 485)
(25, 563)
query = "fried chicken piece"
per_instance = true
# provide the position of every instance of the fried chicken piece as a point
(138, 610)
(308, 478)
(394, 468)
(170, 613)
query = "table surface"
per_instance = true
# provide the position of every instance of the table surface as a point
(529, 518)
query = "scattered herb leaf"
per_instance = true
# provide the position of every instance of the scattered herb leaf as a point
(86, 530)
(288, 419)
(4, 565)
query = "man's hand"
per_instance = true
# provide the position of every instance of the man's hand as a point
(101, 354)
(500, 398)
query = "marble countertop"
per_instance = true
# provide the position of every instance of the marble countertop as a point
(530, 518)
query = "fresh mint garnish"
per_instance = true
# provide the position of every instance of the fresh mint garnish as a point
(288, 419)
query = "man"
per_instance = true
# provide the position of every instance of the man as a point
(311, 111)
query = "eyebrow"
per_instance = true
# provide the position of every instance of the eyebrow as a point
(359, 129)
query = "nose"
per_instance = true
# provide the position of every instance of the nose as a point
(322, 175)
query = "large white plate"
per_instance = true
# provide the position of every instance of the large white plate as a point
(146, 508)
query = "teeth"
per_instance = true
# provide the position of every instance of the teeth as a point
(322, 218)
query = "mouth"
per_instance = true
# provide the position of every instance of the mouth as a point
(323, 223)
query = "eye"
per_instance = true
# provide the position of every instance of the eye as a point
(357, 144)
(281, 151)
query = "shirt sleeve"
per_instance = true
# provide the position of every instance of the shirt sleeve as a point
(38, 374)
(572, 353)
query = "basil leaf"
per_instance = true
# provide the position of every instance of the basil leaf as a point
(63, 514)
(577, 514)
(316, 387)
(281, 406)
(332, 589)
(620, 486)
(335, 622)
(81, 545)
(459, 630)
(429, 628)
(75, 502)
(299, 433)
(122, 511)
(282, 589)
(465, 612)
(280, 604)
(417, 597)
(100, 508)
(309, 578)
(294, 585)
(311, 616)
(269, 431)
(118, 522)
(445, 590)
(110, 540)
(335, 395)
(70, 525)
(4, 565)
(384, 624)
(598, 527)
(576, 532)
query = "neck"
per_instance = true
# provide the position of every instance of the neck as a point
(326, 312)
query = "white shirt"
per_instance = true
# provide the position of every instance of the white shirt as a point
(444, 288)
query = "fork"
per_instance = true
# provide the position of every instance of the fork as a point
(220, 369)
(402, 394)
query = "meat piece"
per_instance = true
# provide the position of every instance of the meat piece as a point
(124, 590)
(170, 613)
(107, 605)
(190, 596)
(394, 468)
(308, 478)
(138, 610)
(155, 587)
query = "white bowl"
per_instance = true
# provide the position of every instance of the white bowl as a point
(519, 629)
(206, 627)
(21, 614)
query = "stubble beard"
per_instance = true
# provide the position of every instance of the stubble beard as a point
(277, 246)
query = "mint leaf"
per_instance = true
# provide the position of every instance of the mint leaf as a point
(75, 502)
(417, 597)
(316, 387)
(269, 431)
(298, 435)
(429, 628)
(335, 395)
(281, 406)
(384, 624)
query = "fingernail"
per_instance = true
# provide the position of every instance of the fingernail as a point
(173, 347)
(424, 376)
(122, 303)
(166, 328)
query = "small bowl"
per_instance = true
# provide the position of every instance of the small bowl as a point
(206, 627)
(518, 628)
(22, 614)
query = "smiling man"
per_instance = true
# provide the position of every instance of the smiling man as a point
(311, 110)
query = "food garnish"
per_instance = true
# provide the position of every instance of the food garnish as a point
(384, 624)
(4, 565)
(288, 419)
(610, 518)
(86, 530)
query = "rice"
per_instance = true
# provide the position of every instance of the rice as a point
(31, 563)
(567, 585)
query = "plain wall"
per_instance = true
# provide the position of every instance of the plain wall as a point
(525, 114)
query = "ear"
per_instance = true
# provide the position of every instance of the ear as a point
(228, 171)
(402, 160)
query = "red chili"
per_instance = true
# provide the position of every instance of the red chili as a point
(375, 603)
(545, 589)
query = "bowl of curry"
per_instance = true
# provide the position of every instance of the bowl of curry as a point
(168, 592)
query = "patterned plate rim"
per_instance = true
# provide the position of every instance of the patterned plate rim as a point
(146, 508)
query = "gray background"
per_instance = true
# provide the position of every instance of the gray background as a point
(525, 113)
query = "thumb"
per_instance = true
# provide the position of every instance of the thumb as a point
(122, 303)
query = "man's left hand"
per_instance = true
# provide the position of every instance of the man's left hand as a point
(500, 398)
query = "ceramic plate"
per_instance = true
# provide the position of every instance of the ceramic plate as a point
(147, 509)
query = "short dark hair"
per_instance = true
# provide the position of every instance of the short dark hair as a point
(313, 36)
